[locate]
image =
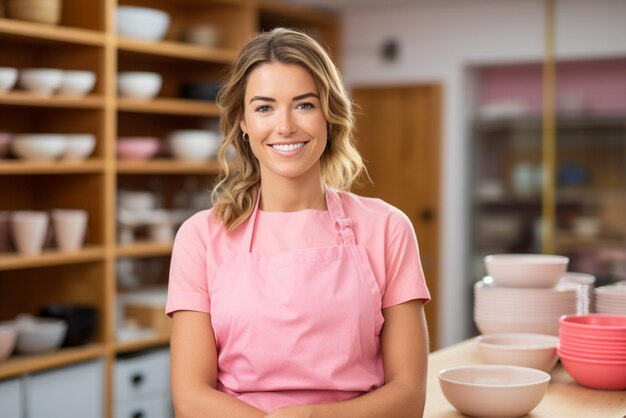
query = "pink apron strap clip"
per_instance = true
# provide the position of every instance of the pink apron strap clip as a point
(345, 230)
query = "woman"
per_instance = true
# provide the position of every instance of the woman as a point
(292, 298)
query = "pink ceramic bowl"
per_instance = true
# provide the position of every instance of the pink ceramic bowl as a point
(525, 270)
(595, 374)
(494, 391)
(137, 148)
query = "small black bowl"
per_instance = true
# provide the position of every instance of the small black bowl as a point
(206, 90)
(82, 321)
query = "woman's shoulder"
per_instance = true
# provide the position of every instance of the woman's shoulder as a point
(373, 207)
(204, 223)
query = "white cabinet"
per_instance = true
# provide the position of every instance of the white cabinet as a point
(142, 387)
(11, 399)
(143, 407)
(141, 375)
(68, 392)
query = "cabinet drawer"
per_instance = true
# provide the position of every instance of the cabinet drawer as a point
(143, 407)
(140, 375)
(68, 392)
(11, 398)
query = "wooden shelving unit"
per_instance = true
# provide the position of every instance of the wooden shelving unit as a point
(86, 40)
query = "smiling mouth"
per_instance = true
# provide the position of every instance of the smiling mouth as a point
(288, 147)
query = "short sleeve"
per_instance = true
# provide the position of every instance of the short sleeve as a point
(188, 285)
(404, 274)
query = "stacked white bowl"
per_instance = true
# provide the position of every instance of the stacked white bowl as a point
(524, 294)
(611, 299)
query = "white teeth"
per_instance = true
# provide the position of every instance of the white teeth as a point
(290, 147)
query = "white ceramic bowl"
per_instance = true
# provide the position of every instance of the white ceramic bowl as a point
(79, 146)
(142, 23)
(41, 81)
(77, 83)
(8, 337)
(194, 145)
(38, 335)
(39, 147)
(537, 351)
(525, 270)
(203, 34)
(8, 77)
(139, 84)
(494, 391)
(136, 201)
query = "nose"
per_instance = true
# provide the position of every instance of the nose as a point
(286, 124)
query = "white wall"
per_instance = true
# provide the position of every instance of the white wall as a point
(439, 39)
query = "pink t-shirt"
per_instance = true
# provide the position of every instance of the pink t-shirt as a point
(385, 232)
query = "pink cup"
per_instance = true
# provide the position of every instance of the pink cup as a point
(70, 227)
(29, 231)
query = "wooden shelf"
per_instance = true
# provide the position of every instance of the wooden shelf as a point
(295, 12)
(165, 166)
(170, 106)
(569, 240)
(54, 167)
(40, 31)
(20, 364)
(141, 344)
(13, 261)
(178, 50)
(23, 98)
(144, 249)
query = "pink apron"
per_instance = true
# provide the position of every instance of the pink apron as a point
(302, 327)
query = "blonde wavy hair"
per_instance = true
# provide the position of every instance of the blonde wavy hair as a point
(235, 193)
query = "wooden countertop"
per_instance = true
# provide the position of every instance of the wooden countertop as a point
(565, 398)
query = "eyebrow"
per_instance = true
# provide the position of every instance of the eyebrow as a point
(296, 98)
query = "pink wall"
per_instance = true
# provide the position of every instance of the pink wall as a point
(596, 87)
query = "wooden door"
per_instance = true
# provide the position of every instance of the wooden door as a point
(398, 133)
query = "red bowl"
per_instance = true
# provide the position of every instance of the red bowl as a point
(595, 344)
(597, 325)
(595, 374)
(589, 355)
(576, 334)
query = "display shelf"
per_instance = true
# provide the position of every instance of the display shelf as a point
(86, 40)
(13, 261)
(142, 344)
(165, 166)
(144, 249)
(170, 106)
(22, 98)
(177, 50)
(43, 32)
(20, 364)
(51, 167)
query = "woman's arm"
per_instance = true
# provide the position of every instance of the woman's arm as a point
(404, 341)
(194, 371)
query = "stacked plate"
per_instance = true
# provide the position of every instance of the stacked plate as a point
(611, 299)
(527, 310)
(593, 350)
(526, 293)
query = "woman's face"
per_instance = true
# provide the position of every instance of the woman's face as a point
(284, 120)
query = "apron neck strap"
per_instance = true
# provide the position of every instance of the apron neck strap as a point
(335, 210)
(342, 224)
